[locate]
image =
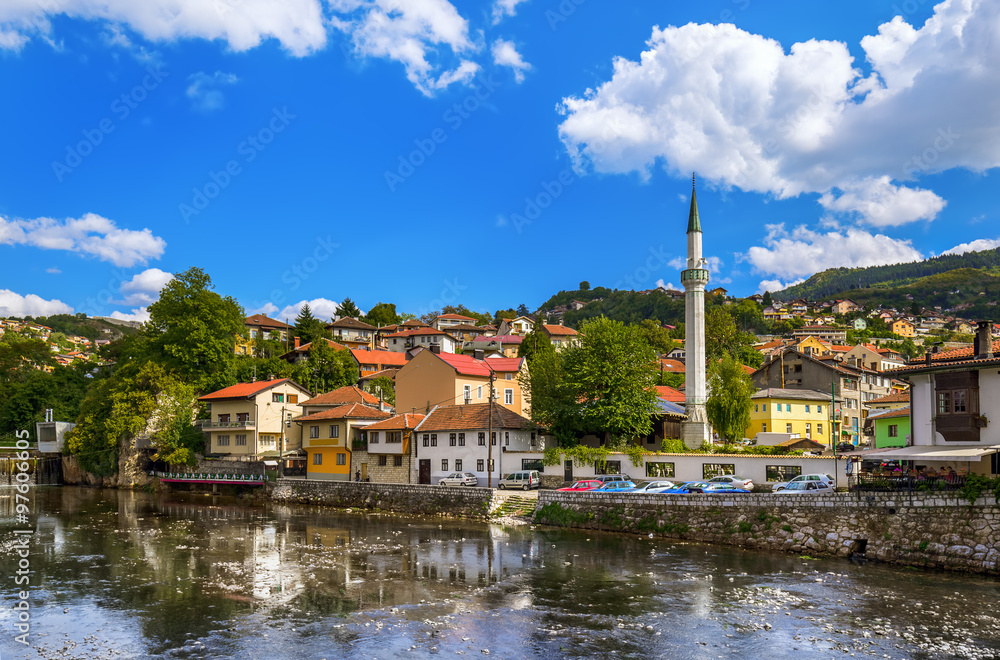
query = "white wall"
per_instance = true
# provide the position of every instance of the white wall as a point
(503, 461)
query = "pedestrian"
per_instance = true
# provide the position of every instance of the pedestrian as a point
(357, 475)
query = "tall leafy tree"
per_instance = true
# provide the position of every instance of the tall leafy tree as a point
(766, 302)
(722, 338)
(307, 327)
(382, 314)
(327, 368)
(534, 342)
(348, 308)
(656, 336)
(384, 387)
(728, 405)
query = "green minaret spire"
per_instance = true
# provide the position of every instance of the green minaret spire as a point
(694, 222)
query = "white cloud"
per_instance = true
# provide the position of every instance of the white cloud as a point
(741, 111)
(715, 264)
(91, 235)
(505, 54)
(14, 304)
(140, 314)
(503, 8)
(804, 251)
(298, 25)
(144, 288)
(660, 284)
(203, 90)
(777, 285)
(53, 271)
(413, 33)
(974, 246)
(321, 308)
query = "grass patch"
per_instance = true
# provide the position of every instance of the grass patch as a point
(556, 514)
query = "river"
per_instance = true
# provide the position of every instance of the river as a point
(118, 574)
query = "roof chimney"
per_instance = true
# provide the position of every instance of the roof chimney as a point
(479, 354)
(296, 342)
(984, 340)
(927, 357)
(436, 349)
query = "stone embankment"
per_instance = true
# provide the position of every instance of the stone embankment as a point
(917, 529)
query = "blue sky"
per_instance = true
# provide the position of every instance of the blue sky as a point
(426, 152)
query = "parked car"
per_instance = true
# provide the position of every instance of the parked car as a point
(679, 489)
(825, 478)
(583, 484)
(459, 479)
(695, 486)
(605, 478)
(523, 479)
(846, 446)
(653, 487)
(733, 480)
(722, 489)
(615, 487)
(806, 488)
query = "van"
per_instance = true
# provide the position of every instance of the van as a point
(523, 479)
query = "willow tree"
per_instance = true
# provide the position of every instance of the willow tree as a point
(729, 402)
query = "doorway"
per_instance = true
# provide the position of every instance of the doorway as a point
(568, 470)
(364, 472)
(425, 470)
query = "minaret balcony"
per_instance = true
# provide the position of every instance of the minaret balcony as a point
(694, 275)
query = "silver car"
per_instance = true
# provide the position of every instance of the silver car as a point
(819, 478)
(653, 487)
(806, 488)
(459, 479)
(733, 480)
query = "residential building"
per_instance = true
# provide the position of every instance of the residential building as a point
(872, 358)
(446, 321)
(844, 306)
(891, 426)
(903, 328)
(300, 353)
(330, 435)
(800, 412)
(824, 332)
(464, 333)
(561, 336)
(498, 345)
(386, 453)
(860, 324)
(811, 345)
(459, 439)
(343, 396)
(353, 333)
(372, 362)
(399, 342)
(890, 401)
(259, 327)
(520, 326)
(445, 379)
(248, 419)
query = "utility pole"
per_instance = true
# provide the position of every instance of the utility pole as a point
(833, 415)
(281, 445)
(489, 439)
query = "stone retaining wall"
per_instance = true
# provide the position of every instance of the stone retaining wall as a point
(918, 529)
(402, 498)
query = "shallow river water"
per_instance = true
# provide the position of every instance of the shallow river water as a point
(133, 575)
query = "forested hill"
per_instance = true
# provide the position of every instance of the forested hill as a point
(834, 281)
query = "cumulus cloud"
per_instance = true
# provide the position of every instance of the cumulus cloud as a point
(298, 25)
(502, 8)
(776, 285)
(53, 271)
(414, 33)
(505, 54)
(14, 304)
(138, 314)
(743, 112)
(321, 308)
(91, 235)
(975, 246)
(203, 90)
(144, 288)
(804, 251)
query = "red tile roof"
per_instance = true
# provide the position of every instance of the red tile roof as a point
(384, 373)
(504, 364)
(304, 348)
(352, 323)
(342, 396)
(379, 358)
(559, 330)
(416, 332)
(351, 411)
(397, 423)
(473, 416)
(889, 414)
(455, 317)
(670, 394)
(264, 322)
(466, 364)
(671, 365)
(243, 390)
(895, 397)
(958, 353)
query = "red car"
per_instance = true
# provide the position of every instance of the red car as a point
(585, 484)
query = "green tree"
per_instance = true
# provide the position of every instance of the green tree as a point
(656, 336)
(722, 337)
(191, 331)
(348, 308)
(307, 327)
(327, 368)
(585, 286)
(533, 342)
(502, 314)
(382, 314)
(384, 387)
(728, 405)
(767, 302)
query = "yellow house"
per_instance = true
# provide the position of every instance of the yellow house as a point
(329, 436)
(260, 327)
(783, 410)
(448, 379)
(817, 346)
(561, 336)
(903, 328)
(246, 419)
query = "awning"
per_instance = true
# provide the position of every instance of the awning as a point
(938, 453)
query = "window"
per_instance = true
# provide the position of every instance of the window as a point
(223, 441)
(482, 439)
(479, 392)
(293, 398)
(444, 464)
(373, 437)
(819, 429)
(397, 461)
(755, 408)
(807, 407)
(532, 464)
(659, 469)
(709, 470)
(893, 430)
(609, 467)
(313, 431)
(383, 460)
(434, 439)
(788, 407)
(493, 438)
(508, 376)
(819, 409)
(461, 439)
(480, 465)
(395, 437)
(427, 440)
(452, 439)
(341, 459)
(808, 429)
(506, 438)
(781, 472)
(788, 428)
(277, 398)
(467, 392)
(763, 407)
(763, 427)
(317, 459)
(224, 419)
(508, 397)
(241, 439)
(243, 417)
(334, 430)
(267, 440)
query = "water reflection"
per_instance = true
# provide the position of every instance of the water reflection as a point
(186, 575)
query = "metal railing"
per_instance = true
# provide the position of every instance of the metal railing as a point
(889, 483)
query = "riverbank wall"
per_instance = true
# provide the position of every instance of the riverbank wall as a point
(915, 529)
(41, 469)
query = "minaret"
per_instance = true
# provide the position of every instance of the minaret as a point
(694, 431)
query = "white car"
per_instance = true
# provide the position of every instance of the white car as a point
(459, 479)
(733, 480)
(823, 478)
(806, 488)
